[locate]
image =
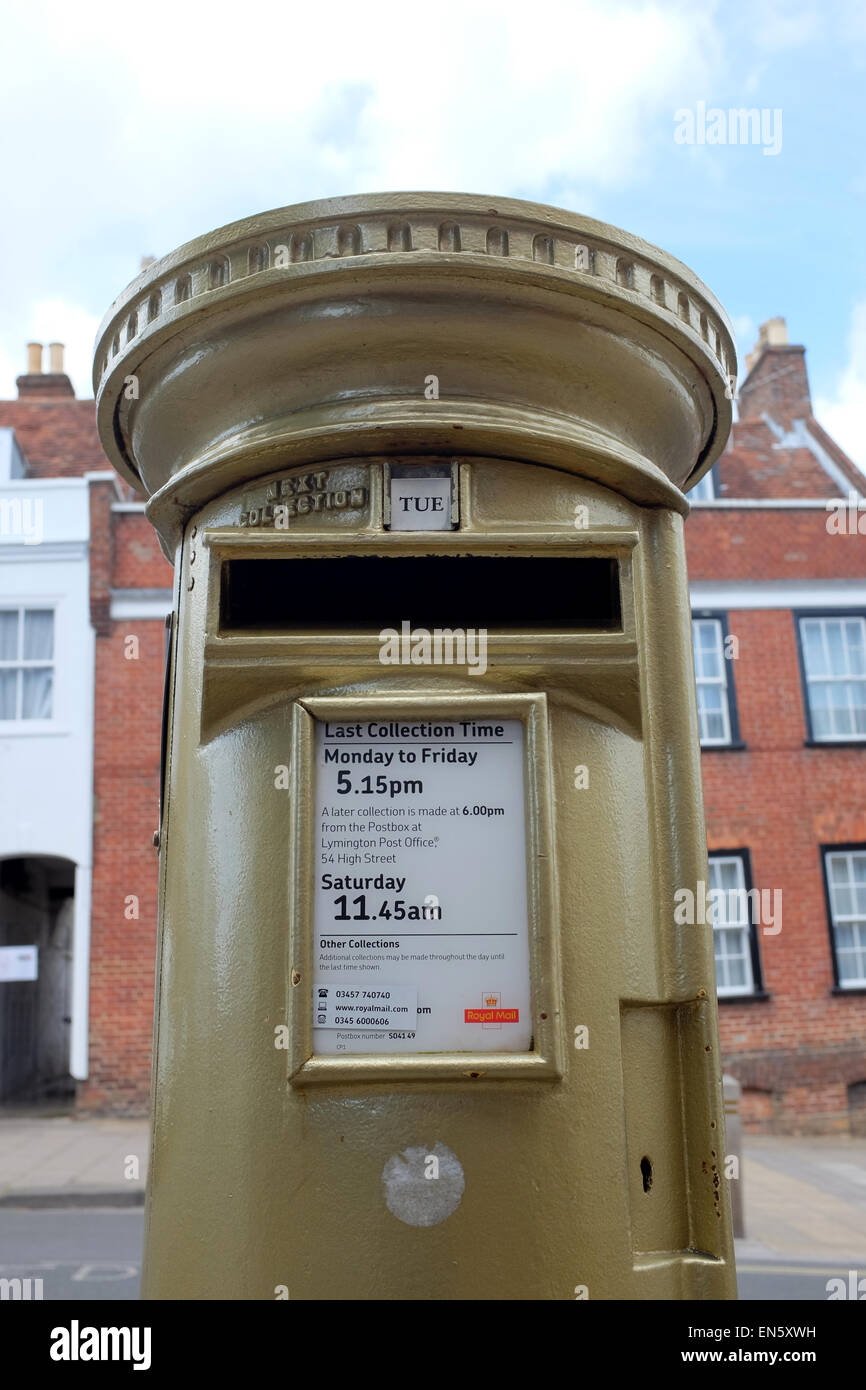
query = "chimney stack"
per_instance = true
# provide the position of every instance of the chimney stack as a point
(44, 386)
(777, 383)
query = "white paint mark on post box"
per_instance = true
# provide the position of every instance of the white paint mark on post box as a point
(412, 1197)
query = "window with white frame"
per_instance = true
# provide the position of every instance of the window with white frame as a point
(846, 887)
(26, 663)
(732, 928)
(711, 676)
(705, 490)
(834, 664)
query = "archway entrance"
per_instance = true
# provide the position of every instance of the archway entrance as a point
(36, 924)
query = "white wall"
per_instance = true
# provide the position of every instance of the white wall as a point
(46, 767)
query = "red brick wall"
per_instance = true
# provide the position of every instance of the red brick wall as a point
(127, 720)
(101, 496)
(767, 543)
(125, 864)
(778, 386)
(58, 438)
(796, 1052)
(139, 563)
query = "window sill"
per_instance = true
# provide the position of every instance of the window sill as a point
(30, 728)
(723, 747)
(834, 743)
(848, 989)
(757, 996)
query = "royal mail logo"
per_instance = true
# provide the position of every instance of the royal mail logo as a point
(491, 1012)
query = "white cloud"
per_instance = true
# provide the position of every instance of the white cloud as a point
(843, 414)
(467, 95)
(151, 127)
(53, 321)
(177, 115)
(56, 321)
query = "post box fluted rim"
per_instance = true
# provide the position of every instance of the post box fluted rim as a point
(420, 237)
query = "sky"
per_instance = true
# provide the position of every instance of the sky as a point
(127, 130)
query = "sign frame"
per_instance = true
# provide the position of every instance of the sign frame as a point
(546, 1057)
(419, 470)
(29, 954)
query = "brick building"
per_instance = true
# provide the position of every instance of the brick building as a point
(779, 598)
(778, 583)
(81, 782)
(130, 598)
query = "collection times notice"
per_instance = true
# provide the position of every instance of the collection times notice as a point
(421, 932)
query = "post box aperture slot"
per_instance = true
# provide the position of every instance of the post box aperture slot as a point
(362, 593)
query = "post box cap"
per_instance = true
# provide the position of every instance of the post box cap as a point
(313, 332)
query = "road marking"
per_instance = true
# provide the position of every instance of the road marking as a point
(791, 1269)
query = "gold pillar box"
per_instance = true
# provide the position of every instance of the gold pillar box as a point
(426, 1025)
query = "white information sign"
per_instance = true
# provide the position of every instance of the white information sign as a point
(420, 504)
(19, 962)
(421, 926)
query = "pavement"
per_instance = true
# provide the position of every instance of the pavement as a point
(61, 1160)
(805, 1198)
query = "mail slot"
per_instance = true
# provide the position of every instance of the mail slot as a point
(427, 1026)
(351, 592)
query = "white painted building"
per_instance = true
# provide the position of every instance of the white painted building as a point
(46, 772)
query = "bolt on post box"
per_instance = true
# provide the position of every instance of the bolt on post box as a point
(427, 1025)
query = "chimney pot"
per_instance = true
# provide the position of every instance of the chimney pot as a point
(52, 385)
(773, 333)
(776, 383)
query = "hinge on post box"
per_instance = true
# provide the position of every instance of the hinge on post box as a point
(163, 742)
